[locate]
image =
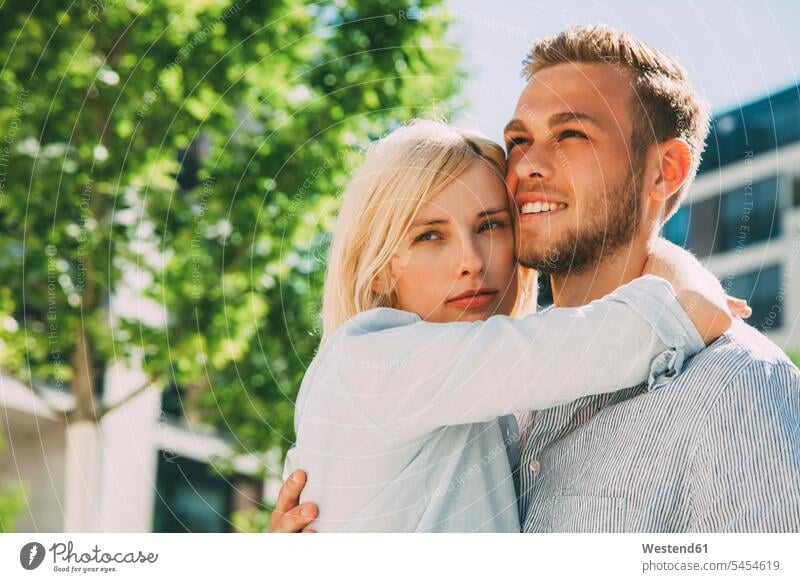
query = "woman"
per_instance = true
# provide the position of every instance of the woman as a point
(397, 417)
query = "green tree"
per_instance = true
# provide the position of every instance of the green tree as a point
(168, 174)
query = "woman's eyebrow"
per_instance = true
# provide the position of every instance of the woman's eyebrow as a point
(435, 221)
(497, 210)
(429, 222)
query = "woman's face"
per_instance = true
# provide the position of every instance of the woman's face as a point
(458, 261)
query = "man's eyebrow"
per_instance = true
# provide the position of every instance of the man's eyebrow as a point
(556, 119)
(567, 116)
(514, 125)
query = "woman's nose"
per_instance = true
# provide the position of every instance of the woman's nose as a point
(472, 260)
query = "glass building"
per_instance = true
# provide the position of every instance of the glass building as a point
(742, 214)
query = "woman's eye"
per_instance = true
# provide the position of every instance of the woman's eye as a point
(566, 134)
(491, 225)
(427, 236)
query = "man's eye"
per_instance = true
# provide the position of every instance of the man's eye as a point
(491, 225)
(515, 141)
(568, 133)
(427, 236)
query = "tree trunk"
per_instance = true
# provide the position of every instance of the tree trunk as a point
(82, 383)
(82, 457)
(83, 446)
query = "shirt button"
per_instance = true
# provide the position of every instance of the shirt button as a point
(535, 465)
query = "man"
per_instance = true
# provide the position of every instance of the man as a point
(613, 129)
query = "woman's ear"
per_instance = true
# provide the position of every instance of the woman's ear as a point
(383, 283)
(673, 165)
(377, 286)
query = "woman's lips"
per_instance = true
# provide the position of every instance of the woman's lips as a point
(475, 301)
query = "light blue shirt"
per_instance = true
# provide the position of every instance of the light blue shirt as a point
(397, 419)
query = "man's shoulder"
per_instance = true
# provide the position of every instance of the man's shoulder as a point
(741, 354)
(743, 346)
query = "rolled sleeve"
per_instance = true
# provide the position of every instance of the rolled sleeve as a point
(653, 299)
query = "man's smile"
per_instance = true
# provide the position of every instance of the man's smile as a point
(538, 206)
(540, 210)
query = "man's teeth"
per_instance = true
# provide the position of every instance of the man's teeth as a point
(536, 207)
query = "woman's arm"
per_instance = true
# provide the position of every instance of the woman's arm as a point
(698, 291)
(417, 376)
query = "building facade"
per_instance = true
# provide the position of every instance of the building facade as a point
(741, 216)
(149, 469)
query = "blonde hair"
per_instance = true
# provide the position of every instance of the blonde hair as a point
(400, 172)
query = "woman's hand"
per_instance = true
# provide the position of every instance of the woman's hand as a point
(697, 290)
(739, 307)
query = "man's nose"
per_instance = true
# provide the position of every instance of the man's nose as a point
(532, 164)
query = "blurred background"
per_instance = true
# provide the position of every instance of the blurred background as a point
(170, 171)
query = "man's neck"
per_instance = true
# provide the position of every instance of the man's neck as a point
(601, 278)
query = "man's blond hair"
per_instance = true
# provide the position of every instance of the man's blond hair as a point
(665, 104)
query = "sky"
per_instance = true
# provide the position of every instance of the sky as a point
(735, 51)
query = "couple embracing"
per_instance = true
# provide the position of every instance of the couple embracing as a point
(441, 400)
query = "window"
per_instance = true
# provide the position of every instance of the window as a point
(762, 290)
(757, 128)
(173, 400)
(676, 229)
(749, 215)
(190, 497)
(703, 225)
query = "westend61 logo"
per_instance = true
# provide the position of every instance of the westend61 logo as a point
(65, 559)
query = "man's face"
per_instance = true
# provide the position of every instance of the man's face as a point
(570, 168)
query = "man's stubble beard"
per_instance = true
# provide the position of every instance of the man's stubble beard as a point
(602, 233)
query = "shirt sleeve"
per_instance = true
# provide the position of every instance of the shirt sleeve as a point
(745, 473)
(414, 378)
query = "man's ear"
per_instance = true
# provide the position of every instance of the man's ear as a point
(673, 163)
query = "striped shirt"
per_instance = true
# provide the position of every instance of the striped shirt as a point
(717, 449)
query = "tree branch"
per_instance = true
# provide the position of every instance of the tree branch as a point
(103, 409)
